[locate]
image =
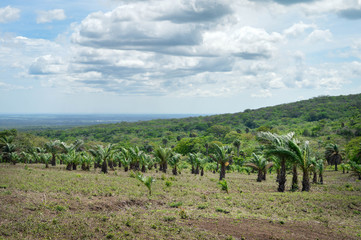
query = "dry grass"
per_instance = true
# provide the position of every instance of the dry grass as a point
(39, 203)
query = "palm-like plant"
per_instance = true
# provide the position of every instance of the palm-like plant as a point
(52, 147)
(174, 163)
(45, 158)
(277, 145)
(333, 155)
(163, 155)
(7, 147)
(222, 155)
(237, 145)
(259, 163)
(147, 181)
(320, 166)
(301, 156)
(192, 159)
(14, 157)
(125, 158)
(136, 155)
(85, 160)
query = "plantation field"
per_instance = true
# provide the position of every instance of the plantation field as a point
(40, 203)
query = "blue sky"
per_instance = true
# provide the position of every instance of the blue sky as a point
(175, 56)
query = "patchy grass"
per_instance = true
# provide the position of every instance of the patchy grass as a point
(39, 203)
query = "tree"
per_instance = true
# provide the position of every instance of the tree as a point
(163, 155)
(45, 158)
(222, 155)
(332, 155)
(237, 145)
(7, 147)
(277, 145)
(301, 156)
(320, 166)
(174, 162)
(53, 148)
(259, 163)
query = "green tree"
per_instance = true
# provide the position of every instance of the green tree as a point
(237, 145)
(163, 155)
(222, 155)
(259, 163)
(174, 163)
(333, 155)
(277, 145)
(53, 148)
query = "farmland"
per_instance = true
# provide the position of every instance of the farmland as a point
(52, 203)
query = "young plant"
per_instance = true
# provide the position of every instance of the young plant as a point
(147, 181)
(224, 185)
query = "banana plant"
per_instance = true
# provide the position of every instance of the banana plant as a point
(147, 181)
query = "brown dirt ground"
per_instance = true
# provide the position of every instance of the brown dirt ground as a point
(264, 229)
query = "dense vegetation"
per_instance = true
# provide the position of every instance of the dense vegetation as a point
(305, 137)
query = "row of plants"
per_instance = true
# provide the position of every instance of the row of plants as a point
(280, 153)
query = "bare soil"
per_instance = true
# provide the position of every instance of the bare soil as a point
(263, 229)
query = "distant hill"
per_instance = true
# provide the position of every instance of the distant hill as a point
(320, 116)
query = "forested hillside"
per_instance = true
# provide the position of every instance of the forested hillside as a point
(335, 117)
(322, 120)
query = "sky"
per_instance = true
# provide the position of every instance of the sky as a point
(175, 56)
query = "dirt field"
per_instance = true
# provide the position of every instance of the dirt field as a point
(39, 203)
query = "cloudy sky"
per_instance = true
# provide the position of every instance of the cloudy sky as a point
(175, 56)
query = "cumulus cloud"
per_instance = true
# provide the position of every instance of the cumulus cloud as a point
(298, 29)
(263, 93)
(8, 14)
(286, 2)
(320, 35)
(351, 13)
(51, 15)
(47, 65)
(185, 48)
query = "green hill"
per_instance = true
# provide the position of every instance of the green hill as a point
(323, 118)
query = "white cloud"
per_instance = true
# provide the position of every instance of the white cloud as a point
(263, 93)
(298, 29)
(51, 15)
(320, 35)
(10, 87)
(8, 14)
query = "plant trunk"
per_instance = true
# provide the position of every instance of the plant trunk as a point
(202, 171)
(105, 166)
(53, 160)
(46, 165)
(294, 186)
(143, 168)
(174, 171)
(222, 173)
(314, 177)
(68, 166)
(192, 170)
(197, 170)
(305, 181)
(278, 175)
(74, 166)
(259, 177)
(320, 176)
(264, 175)
(165, 167)
(336, 165)
(282, 179)
(111, 165)
(126, 169)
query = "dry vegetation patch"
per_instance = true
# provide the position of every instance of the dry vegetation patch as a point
(38, 203)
